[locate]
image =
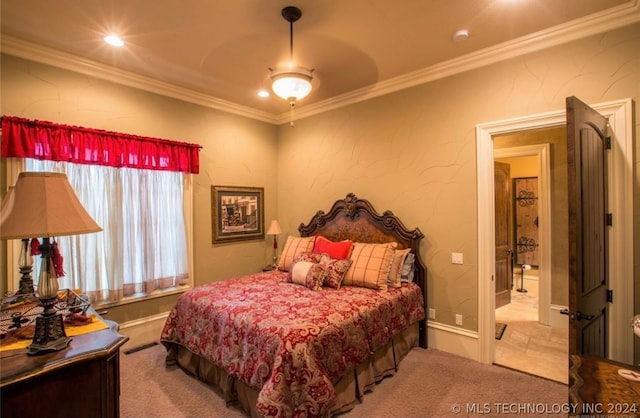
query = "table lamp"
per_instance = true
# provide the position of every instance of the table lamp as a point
(275, 230)
(45, 205)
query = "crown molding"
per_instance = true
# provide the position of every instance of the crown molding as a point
(43, 55)
(607, 20)
(610, 19)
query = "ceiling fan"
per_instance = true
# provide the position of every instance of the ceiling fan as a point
(291, 82)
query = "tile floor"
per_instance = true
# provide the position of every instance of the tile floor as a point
(527, 345)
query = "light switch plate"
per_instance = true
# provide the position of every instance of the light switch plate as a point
(456, 258)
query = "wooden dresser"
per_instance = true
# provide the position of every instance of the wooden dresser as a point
(82, 380)
(596, 387)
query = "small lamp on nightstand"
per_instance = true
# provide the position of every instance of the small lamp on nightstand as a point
(45, 205)
(275, 230)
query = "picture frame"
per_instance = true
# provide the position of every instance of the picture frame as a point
(237, 213)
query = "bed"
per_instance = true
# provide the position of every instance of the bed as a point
(285, 343)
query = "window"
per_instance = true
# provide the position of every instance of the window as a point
(143, 246)
(136, 188)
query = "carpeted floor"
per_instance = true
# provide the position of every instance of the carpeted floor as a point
(429, 383)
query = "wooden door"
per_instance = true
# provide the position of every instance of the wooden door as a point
(504, 267)
(587, 194)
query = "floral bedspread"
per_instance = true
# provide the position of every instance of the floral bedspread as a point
(292, 342)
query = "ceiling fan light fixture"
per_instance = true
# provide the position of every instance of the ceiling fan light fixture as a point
(292, 84)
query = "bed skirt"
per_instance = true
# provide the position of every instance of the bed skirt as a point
(350, 389)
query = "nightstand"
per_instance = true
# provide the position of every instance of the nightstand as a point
(82, 380)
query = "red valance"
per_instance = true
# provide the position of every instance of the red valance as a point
(24, 138)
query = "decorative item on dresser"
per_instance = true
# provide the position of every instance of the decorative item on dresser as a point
(309, 338)
(44, 205)
(81, 381)
(598, 386)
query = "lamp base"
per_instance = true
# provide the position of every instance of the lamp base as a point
(49, 335)
(26, 282)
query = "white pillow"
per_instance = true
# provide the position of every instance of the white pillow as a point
(309, 274)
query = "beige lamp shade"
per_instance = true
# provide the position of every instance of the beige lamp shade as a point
(274, 228)
(43, 205)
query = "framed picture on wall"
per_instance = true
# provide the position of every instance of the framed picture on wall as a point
(237, 213)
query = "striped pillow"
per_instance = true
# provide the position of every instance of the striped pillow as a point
(396, 267)
(370, 265)
(293, 247)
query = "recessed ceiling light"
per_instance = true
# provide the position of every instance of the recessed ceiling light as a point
(461, 35)
(113, 40)
(263, 93)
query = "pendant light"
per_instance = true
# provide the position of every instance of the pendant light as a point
(292, 82)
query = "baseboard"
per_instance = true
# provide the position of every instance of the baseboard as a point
(557, 319)
(142, 331)
(453, 340)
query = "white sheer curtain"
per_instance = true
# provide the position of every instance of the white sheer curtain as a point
(143, 245)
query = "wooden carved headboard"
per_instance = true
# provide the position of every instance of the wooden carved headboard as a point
(357, 220)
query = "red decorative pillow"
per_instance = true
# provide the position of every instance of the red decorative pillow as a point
(338, 250)
(335, 271)
(307, 256)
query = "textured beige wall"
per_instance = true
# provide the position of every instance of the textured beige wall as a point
(413, 151)
(519, 166)
(236, 152)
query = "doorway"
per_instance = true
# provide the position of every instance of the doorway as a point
(621, 255)
(532, 341)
